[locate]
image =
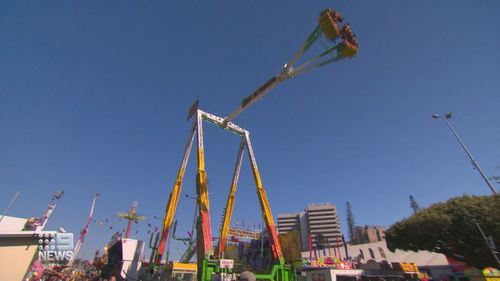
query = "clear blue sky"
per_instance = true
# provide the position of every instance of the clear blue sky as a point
(94, 95)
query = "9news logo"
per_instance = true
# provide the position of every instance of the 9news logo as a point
(55, 246)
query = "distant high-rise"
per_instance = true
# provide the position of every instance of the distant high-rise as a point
(323, 225)
(288, 222)
(318, 222)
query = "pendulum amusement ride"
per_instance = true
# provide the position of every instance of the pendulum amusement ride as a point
(340, 43)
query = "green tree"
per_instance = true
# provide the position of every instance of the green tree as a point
(449, 228)
(351, 224)
(413, 204)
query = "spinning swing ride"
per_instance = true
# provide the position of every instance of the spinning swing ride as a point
(213, 263)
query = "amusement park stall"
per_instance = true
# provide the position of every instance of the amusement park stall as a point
(124, 258)
(330, 274)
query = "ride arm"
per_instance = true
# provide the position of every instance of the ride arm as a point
(327, 25)
(285, 73)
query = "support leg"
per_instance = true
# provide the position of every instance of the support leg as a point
(264, 204)
(228, 211)
(203, 229)
(174, 198)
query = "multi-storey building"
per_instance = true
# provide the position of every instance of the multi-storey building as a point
(368, 234)
(288, 222)
(323, 225)
(318, 225)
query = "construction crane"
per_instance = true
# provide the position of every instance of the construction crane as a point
(208, 262)
(83, 233)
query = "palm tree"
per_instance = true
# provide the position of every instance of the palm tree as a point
(131, 216)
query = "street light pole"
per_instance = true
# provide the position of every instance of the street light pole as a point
(489, 243)
(474, 162)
